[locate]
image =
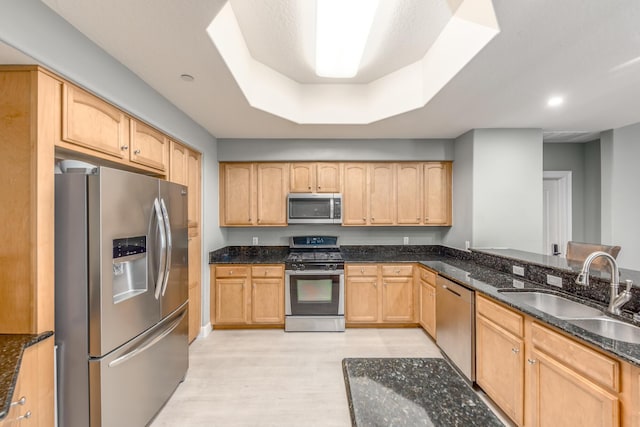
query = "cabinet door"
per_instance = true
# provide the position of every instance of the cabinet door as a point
(437, 193)
(428, 308)
(409, 193)
(397, 299)
(92, 123)
(362, 299)
(267, 300)
(231, 302)
(500, 367)
(561, 397)
(303, 177)
(328, 178)
(193, 182)
(238, 188)
(381, 194)
(178, 167)
(195, 287)
(272, 190)
(355, 200)
(148, 146)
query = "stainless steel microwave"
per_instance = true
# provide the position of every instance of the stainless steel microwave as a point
(308, 208)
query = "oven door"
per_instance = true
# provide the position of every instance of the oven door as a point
(314, 293)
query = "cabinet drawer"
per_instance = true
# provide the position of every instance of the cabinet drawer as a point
(267, 271)
(591, 364)
(232, 271)
(397, 270)
(362, 270)
(428, 276)
(507, 319)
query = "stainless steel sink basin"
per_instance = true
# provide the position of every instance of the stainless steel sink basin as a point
(553, 304)
(610, 328)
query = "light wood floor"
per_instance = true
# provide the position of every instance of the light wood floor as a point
(274, 378)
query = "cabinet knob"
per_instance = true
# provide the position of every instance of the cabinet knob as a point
(364, 218)
(515, 350)
(373, 219)
(375, 285)
(426, 218)
(385, 284)
(362, 270)
(319, 187)
(397, 271)
(136, 152)
(27, 415)
(124, 147)
(309, 187)
(254, 286)
(531, 361)
(20, 401)
(230, 272)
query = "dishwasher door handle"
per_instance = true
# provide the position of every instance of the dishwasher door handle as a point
(451, 290)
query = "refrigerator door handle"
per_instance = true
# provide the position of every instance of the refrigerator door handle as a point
(167, 225)
(162, 265)
(150, 343)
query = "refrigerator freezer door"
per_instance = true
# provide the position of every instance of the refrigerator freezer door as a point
(176, 287)
(122, 302)
(130, 385)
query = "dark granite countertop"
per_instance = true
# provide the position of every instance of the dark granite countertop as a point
(411, 392)
(487, 272)
(11, 348)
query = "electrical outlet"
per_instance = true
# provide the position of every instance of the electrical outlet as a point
(255, 240)
(405, 240)
(554, 280)
(518, 270)
(518, 284)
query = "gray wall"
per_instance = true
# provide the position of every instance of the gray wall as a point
(620, 201)
(33, 28)
(507, 189)
(462, 230)
(583, 160)
(239, 150)
(336, 150)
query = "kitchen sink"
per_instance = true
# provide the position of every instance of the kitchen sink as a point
(609, 328)
(554, 305)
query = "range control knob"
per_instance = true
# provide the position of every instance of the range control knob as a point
(301, 267)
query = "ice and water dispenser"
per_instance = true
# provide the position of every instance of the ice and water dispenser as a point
(129, 267)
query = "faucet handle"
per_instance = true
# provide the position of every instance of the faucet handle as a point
(580, 280)
(629, 285)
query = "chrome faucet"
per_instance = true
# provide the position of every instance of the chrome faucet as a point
(616, 300)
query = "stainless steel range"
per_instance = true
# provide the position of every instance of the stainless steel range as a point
(314, 285)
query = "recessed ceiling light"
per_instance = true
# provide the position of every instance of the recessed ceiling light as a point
(187, 77)
(555, 101)
(342, 29)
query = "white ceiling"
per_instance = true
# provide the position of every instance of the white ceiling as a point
(573, 48)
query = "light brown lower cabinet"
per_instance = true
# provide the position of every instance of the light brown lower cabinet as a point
(247, 295)
(541, 377)
(427, 301)
(32, 401)
(379, 293)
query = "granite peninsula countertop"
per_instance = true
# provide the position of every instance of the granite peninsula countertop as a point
(469, 269)
(11, 349)
(411, 392)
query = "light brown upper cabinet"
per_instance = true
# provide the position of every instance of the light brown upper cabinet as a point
(194, 174)
(93, 127)
(90, 122)
(437, 193)
(368, 194)
(315, 178)
(148, 146)
(409, 193)
(253, 194)
(178, 168)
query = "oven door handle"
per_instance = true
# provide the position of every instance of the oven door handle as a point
(314, 272)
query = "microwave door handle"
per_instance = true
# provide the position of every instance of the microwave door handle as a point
(331, 208)
(169, 246)
(163, 247)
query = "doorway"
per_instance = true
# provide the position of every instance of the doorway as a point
(557, 224)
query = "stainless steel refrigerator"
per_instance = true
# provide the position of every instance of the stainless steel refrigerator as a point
(121, 321)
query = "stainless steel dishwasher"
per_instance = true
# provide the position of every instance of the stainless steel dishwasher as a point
(455, 325)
